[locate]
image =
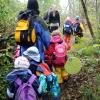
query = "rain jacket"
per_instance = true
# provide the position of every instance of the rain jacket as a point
(24, 75)
(42, 36)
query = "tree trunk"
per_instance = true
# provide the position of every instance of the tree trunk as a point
(87, 18)
(96, 10)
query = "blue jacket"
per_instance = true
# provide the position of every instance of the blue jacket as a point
(42, 35)
(24, 75)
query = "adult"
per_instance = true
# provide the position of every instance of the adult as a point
(42, 34)
(47, 14)
(54, 19)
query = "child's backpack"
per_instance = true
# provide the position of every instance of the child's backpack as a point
(52, 81)
(67, 28)
(54, 87)
(76, 28)
(59, 56)
(25, 32)
(48, 53)
(25, 90)
(46, 69)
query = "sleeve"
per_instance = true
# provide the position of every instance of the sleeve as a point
(9, 94)
(10, 91)
(63, 30)
(44, 33)
(45, 38)
(45, 16)
(59, 18)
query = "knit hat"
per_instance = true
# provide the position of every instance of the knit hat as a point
(33, 53)
(68, 19)
(77, 17)
(33, 5)
(21, 62)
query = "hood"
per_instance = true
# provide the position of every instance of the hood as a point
(56, 39)
(22, 73)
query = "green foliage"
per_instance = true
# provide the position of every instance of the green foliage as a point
(90, 92)
(92, 50)
(4, 70)
(89, 53)
(8, 11)
(44, 5)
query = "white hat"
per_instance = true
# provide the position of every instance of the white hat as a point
(33, 53)
(21, 62)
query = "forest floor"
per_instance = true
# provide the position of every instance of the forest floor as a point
(85, 85)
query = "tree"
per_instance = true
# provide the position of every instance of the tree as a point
(8, 12)
(87, 18)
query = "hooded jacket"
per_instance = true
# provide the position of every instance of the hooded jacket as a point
(42, 32)
(24, 75)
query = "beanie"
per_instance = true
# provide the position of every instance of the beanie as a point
(33, 5)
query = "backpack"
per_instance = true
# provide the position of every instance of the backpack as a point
(51, 78)
(25, 33)
(45, 68)
(48, 53)
(76, 28)
(55, 88)
(25, 90)
(67, 28)
(59, 56)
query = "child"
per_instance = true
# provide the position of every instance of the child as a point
(55, 38)
(68, 31)
(20, 76)
(52, 82)
(58, 64)
(40, 69)
(33, 55)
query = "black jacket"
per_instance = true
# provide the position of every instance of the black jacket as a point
(54, 19)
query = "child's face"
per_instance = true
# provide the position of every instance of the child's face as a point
(38, 73)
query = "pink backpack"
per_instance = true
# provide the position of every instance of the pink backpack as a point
(60, 55)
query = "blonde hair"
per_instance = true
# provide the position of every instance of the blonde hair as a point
(56, 32)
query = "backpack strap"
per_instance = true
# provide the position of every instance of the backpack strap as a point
(18, 81)
(32, 79)
(30, 19)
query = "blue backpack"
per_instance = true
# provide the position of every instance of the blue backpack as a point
(25, 91)
(54, 87)
(52, 81)
(67, 28)
(76, 28)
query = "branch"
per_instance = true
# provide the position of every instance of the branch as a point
(4, 39)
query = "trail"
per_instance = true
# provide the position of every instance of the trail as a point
(78, 87)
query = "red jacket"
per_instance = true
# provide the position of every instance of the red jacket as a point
(49, 53)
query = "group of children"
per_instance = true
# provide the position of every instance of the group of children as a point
(39, 60)
(36, 77)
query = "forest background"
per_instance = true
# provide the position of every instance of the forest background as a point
(82, 86)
